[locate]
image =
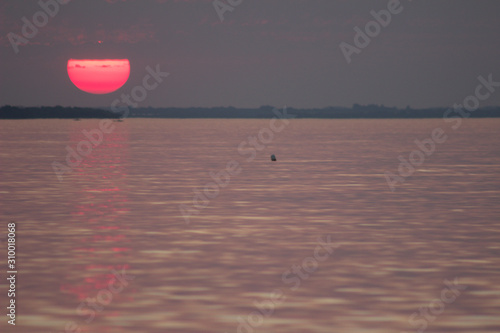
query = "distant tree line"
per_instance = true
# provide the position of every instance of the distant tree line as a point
(14, 112)
(357, 111)
(371, 111)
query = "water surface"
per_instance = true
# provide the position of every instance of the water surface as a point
(119, 209)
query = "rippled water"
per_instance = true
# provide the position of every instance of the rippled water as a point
(119, 210)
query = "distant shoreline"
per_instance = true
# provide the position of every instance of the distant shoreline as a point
(264, 112)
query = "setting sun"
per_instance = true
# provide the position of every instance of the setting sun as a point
(98, 76)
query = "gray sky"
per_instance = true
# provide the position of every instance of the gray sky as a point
(265, 52)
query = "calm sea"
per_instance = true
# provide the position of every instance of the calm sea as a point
(107, 249)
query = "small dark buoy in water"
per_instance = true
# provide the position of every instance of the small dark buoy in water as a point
(273, 158)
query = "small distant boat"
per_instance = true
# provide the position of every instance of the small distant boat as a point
(119, 120)
(76, 119)
(273, 158)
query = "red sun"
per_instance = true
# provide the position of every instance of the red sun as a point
(98, 76)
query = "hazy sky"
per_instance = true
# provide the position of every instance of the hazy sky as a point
(265, 52)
